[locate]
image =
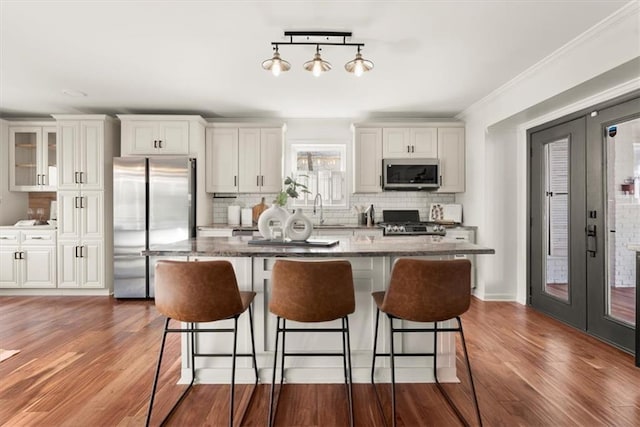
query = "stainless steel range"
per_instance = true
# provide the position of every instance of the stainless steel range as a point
(407, 223)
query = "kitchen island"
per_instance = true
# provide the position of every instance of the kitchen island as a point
(371, 259)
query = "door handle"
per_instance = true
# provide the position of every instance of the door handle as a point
(155, 143)
(235, 180)
(380, 180)
(15, 255)
(413, 148)
(76, 180)
(81, 177)
(408, 149)
(262, 180)
(258, 181)
(592, 240)
(77, 247)
(75, 202)
(21, 255)
(37, 179)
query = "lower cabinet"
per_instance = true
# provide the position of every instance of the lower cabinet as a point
(465, 235)
(27, 259)
(81, 264)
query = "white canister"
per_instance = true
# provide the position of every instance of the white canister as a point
(233, 215)
(246, 217)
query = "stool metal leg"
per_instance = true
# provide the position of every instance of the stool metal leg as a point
(233, 370)
(253, 346)
(350, 383)
(157, 374)
(393, 374)
(375, 346)
(273, 375)
(284, 350)
(441, 388)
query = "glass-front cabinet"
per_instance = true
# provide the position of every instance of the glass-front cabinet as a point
(33, 158)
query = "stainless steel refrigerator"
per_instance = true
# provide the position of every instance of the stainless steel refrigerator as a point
(153, 203)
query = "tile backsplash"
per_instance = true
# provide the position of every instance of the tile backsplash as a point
(381, 201)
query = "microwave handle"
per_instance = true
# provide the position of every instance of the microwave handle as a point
(440, 181)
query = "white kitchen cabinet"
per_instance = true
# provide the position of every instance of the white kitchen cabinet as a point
(465, 235)
(32, 152)
(367, 159)
(86, 147)
(80, 214)
(451, 153)
(81, 148)
(222, 160)
(155, 137)
(81, 264)
(421, 142)
(27, 259)
(244, 159)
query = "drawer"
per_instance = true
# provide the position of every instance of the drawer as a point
(34, 237)
(9, 236)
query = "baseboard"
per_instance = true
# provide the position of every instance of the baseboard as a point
(55, 292)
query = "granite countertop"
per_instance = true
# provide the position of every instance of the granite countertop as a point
(634, 247)
(224, 226)
(28, 227)
(361, 246)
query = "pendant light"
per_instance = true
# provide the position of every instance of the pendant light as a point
(317, 65)
(276, 64)
(358, 65)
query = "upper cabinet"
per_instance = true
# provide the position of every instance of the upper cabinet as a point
(452, 159)
(367, 159)
(81, 152)
(245, 159)
(32, 152)
(433, 140)
(149, 135)
(409, 142)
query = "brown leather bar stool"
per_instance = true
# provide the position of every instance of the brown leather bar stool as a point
(313, 291)
(200, 292)
(425, 291)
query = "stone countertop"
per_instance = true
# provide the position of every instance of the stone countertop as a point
(224, 226)
(634, 247)
(361, 246)
(28, 227)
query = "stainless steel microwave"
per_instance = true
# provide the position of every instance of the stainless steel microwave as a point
(410, 174)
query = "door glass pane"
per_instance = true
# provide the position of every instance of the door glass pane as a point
(51, 172)
(26, 157)
(556, 221)
(623, 217)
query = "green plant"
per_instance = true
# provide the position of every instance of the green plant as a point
(292, 189)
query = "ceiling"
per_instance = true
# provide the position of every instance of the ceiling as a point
(432, 58)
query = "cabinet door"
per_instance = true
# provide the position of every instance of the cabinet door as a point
(92, 271)
(173, 137)
(91, 160)
(270, 160)
(222, 160)
(92, 214)
(48, 160)
(139, 138)
(69, 219)
(396, 143)
(68, 266)
(8, 265)
(249, 160)
(424, 143)
(39, 267)
(367, 160)
(452, 160)
(69, 154)
(25, 157)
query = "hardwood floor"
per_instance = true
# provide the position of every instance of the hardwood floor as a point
(89, 362)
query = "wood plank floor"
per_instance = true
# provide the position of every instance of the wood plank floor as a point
(89, 362)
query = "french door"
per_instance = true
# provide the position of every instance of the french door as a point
(584, 200)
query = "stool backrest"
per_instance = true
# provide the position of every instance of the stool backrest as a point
(197, 291)
(428, 291)
(315, 291)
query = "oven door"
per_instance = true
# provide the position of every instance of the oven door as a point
(410, 174)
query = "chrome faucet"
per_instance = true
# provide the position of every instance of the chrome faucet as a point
(315, 203)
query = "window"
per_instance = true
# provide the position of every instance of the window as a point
(322, 168)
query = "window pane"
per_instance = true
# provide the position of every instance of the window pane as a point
(322, 168)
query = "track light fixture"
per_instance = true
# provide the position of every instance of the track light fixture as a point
(317, 65)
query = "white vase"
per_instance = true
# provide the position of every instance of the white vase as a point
(273, 219)
(294, 222)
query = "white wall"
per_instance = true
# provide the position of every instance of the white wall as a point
(13, 205)
(602, 63)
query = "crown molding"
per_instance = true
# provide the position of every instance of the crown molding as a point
(630, 9)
